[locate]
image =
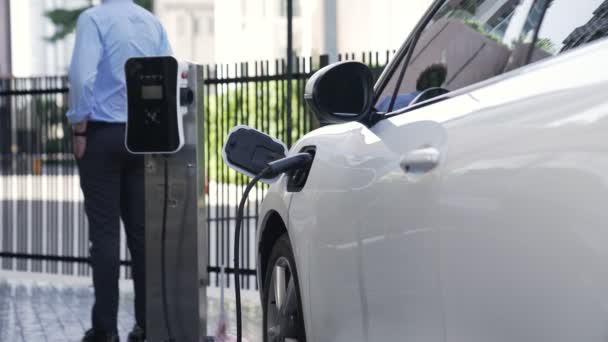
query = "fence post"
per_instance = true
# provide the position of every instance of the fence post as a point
(323, 61)
(5, 133)
(289, 69)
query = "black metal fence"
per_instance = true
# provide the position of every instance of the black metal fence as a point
(43, 226)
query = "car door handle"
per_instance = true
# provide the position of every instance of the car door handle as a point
(420, 161)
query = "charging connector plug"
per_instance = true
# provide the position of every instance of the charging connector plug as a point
(294, 162)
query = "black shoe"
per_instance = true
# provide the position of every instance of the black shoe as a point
(137, 334)
(99, 336)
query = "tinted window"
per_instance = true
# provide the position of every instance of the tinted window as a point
(467, 41)
(568, 24)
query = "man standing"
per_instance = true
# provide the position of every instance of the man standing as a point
(111, 179)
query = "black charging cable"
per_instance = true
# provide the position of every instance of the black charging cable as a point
(273, 169)
(163, 251)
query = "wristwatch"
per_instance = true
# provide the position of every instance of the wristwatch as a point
(80, 134)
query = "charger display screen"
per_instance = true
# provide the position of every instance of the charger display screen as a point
(152, 120)
(152, 92)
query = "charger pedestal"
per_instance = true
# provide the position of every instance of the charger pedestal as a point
(186, 240)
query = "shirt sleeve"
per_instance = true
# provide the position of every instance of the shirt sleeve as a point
(165, 46)
(83, 69)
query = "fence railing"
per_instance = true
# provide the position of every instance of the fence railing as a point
(43, 225)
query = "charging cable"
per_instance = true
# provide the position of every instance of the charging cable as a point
(273, 169)
(162, 252)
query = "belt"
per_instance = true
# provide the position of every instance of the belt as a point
(104, 124)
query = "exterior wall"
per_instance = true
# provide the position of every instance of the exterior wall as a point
(190, 26)
(376, 25)
(32, 54)
(232, 31)
(249, 30)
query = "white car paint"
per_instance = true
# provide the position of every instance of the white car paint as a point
(505, 239)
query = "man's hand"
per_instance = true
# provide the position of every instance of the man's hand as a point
(79, 139)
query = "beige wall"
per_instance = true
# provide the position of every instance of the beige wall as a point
(230, 31)
(376, 25)
(32, 54)
(360, 25)
(190, 27)
(254, 30)
(249, 30)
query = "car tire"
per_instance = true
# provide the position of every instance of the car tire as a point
(283, 317)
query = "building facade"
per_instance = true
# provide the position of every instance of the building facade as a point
(595, 28)
(229, 31)
(232, 31)
(190, 26)
(32, 53)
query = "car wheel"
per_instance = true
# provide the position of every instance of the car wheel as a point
(283, 317)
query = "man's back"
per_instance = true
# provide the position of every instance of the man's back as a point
(107, 36)
(110, 177)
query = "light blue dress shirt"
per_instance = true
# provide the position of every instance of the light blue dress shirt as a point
(106, 37)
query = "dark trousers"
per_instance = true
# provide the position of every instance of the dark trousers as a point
(112, 181)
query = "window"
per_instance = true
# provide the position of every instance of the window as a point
(568, 24)
(467, 41)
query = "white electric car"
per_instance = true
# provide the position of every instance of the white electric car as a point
(463, 197)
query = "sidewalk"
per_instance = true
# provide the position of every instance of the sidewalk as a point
(42, 307)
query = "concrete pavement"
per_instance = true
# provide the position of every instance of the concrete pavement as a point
(48, 308)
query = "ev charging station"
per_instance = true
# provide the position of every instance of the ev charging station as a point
(165, 122)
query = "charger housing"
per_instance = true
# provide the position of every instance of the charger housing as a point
(158, 96)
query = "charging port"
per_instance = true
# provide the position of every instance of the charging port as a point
(297, 178)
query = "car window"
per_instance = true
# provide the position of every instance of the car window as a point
(467, 41)
(567, 24)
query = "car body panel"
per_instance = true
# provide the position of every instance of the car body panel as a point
(505, 240)
(524, 244)
(379, 268)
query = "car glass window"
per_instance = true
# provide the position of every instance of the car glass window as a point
(467, 41)
(567, 24)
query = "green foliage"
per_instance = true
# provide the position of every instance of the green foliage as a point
(479, 27)
(42, 127)
(475, 25)
(147, 4)
(65, 19)
(257, 105)
(546, 44)
(466, 14)
(51, 114)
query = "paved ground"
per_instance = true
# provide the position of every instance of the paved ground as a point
(37, 307)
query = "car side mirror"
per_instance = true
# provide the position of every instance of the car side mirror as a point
(249, 151)
(341, 92)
